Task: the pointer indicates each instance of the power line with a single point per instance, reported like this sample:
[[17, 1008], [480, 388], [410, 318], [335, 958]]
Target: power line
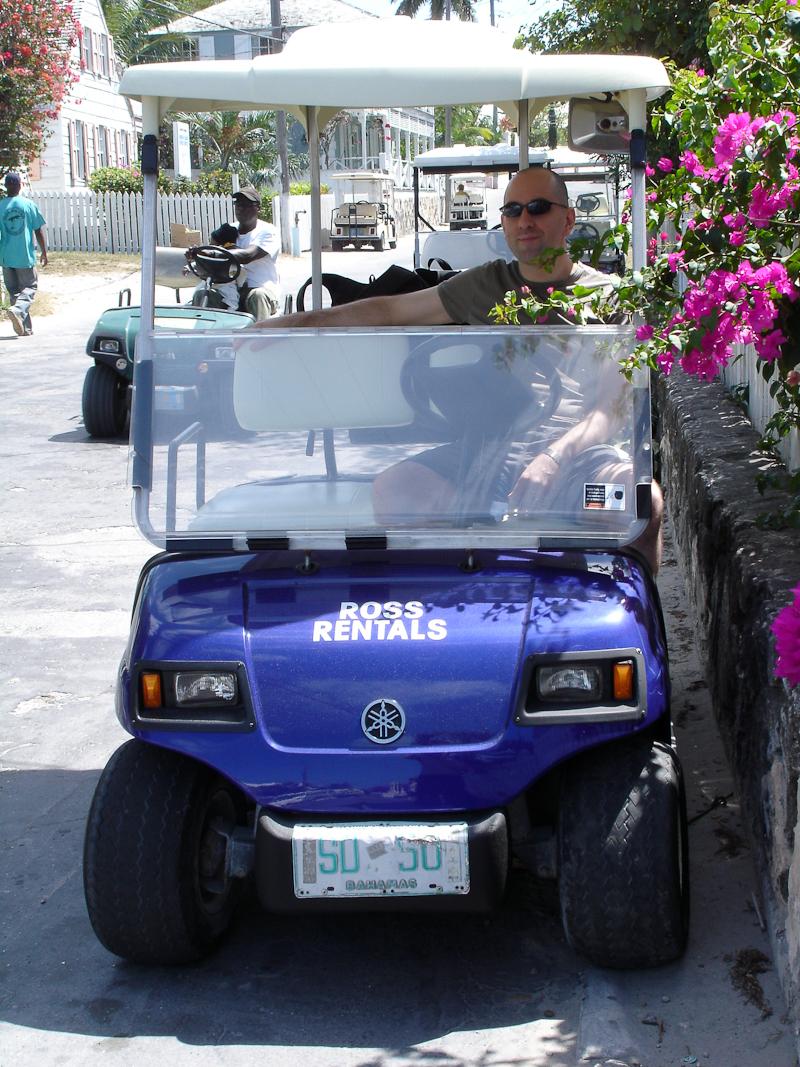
[[209, 22]]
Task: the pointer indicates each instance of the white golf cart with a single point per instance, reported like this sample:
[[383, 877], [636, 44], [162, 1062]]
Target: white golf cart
[[590, 185], [360, 703], [466, 243], [364, 215], [467, 202]]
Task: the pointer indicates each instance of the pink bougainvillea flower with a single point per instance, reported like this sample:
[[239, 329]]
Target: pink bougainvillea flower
[[666, 165], [644, 332], [786, 628], [734, 220], [690, 162], [768, 345], [648, 170], [675, 260]]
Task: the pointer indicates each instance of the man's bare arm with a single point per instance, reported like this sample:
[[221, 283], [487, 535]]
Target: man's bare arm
[[423, 308]]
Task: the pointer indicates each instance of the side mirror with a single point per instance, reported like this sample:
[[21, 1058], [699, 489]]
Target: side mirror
[[598, 126]]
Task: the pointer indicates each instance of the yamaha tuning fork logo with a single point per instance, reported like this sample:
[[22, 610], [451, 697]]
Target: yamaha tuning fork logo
[[383, 721]]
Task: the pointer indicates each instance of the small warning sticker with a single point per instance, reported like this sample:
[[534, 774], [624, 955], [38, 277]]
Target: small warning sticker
[[603, 496]]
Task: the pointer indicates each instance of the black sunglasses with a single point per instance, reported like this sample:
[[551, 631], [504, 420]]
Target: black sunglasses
[[537, 206]]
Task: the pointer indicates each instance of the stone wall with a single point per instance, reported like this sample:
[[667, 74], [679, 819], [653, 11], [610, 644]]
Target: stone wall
[[739, 576]]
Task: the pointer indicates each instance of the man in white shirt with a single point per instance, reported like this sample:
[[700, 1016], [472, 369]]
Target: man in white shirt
[[257, 249]]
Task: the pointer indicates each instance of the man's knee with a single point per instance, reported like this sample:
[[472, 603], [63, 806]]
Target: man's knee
[[261, 304]]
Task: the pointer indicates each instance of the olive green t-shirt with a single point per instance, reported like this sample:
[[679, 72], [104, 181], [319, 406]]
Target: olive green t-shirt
[[468, 296]]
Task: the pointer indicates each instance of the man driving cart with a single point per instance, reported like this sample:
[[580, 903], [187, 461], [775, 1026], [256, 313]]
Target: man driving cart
[[256, 253]]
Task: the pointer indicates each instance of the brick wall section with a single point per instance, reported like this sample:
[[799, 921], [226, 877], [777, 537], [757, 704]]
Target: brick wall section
[[739, 576]]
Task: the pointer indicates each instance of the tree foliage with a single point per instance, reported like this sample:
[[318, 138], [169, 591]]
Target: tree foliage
[[36, 72], [664, 28], [731, 276], [469, 127], [130, 23], [460, 9]]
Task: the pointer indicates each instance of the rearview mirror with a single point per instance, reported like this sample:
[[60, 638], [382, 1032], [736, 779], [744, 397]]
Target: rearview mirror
[[598, 126]]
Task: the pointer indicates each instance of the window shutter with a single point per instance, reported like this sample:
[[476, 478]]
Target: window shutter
[[73, 153]]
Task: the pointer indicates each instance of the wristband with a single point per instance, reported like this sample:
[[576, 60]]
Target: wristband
[[551, 455]]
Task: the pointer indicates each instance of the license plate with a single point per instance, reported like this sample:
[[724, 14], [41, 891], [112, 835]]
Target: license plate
[[168, 399], [380, 860]]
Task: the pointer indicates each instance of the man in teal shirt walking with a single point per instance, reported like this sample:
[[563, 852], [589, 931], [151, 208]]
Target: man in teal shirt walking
[[20, 222]]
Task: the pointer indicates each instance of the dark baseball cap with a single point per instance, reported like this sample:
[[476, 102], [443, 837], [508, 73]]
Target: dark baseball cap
[[13, 178], [247, 192]]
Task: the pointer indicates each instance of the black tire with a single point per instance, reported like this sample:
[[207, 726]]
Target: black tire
[[393, 243], [623, 857], [337, 246], [380, 244], [153, 861], [104, 403]]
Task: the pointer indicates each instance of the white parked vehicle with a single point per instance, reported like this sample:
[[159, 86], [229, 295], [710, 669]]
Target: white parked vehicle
[[364, 214]]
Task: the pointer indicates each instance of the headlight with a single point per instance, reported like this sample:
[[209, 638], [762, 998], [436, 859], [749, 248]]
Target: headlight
[[213, 696], [590, 686], [205, 687], [569, 682], [108, 344]]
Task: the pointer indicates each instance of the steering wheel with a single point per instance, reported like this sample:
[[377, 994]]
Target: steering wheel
[[584, 231], [587, 203], [478, 397], [214, 262]]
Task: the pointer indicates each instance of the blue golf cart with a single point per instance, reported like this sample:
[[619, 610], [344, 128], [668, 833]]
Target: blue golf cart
[[357, 703]]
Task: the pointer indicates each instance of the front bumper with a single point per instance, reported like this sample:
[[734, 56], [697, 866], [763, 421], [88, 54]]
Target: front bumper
[[488, 843]]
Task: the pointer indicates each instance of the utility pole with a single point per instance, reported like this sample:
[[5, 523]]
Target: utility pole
[[494, 107], [276, 44], [448, 135]]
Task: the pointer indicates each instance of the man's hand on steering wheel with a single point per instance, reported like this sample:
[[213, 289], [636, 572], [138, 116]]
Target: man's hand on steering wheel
[[538, 476]]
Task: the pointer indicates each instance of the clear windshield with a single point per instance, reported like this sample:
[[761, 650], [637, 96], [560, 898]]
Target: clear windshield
[[459, 437]]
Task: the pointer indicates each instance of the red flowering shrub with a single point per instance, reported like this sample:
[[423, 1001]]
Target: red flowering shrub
[[36, 41]]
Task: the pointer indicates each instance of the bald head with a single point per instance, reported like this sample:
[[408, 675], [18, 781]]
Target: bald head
[[537, 181], [537, 237]]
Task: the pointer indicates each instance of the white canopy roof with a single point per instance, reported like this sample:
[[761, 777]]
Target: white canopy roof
[[393, 62], [477, 157]]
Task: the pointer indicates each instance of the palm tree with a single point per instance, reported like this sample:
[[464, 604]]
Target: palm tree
[[130, 23], [236, 141], [462, 9]]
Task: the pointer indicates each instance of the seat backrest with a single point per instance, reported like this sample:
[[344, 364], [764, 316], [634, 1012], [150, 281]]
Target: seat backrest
[[320, 381], [469, 248], [169, 268]]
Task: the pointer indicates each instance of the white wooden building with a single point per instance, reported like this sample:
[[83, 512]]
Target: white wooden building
[[381, 139], [96, 127]]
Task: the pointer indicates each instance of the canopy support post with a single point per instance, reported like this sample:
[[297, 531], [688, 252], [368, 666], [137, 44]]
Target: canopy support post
[[416, 218], [316, 208], [635, 103], [151, 117], [523, 134]]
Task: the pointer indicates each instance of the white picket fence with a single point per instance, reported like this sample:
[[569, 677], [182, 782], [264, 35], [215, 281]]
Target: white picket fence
[[744, 371], [112, 222]]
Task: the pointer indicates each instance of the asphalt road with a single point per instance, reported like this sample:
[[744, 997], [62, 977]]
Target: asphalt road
[[372, 992]]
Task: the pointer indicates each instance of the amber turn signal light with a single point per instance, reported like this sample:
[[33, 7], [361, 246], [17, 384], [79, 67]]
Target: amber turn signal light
[[623, 680], [151, 689]]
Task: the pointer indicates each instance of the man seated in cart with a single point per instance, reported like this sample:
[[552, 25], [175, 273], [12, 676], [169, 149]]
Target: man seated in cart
[[537, 219], [257, 247]]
